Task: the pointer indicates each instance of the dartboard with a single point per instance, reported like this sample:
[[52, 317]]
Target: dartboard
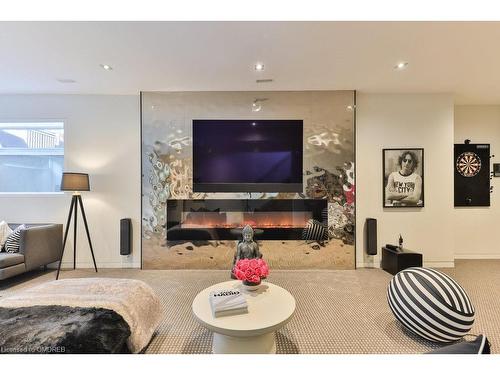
[[468, 164]]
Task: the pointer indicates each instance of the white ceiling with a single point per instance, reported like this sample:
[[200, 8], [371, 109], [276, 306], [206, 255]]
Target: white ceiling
[[446, 57]]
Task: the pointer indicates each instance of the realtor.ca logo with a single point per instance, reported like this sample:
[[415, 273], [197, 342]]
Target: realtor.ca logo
[[32, 349]]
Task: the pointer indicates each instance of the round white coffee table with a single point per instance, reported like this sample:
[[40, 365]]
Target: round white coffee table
[[269, 308]]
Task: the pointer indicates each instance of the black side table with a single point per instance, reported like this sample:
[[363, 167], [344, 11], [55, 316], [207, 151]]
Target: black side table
[[394, 261]]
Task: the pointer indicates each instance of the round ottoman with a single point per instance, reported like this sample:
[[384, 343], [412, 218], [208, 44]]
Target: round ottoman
[[431, 304]]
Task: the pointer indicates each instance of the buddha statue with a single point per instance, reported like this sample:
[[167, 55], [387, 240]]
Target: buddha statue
[[247, 248]]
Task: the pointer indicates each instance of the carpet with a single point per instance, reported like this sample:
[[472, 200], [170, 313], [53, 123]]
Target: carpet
[[338, 312]]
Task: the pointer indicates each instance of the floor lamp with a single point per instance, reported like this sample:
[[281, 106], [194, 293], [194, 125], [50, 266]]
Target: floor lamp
[[75, 182]]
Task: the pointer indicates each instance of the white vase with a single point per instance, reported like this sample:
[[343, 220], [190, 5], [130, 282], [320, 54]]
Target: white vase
[[250, 286]]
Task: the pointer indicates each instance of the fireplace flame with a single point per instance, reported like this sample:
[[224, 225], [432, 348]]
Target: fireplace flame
[[255, 220]]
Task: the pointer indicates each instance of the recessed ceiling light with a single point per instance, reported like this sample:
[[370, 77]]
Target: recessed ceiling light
[[401, 65], [350, 108], [66, 80], [106, 66], [259, 67]]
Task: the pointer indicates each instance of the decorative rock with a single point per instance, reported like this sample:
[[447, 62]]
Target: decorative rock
[[431, 304]]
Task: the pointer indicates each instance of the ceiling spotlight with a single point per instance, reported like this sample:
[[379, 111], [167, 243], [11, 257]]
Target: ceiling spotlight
[[106, 67], [259, 67], [350, 108], [401, 65], [254, 123]]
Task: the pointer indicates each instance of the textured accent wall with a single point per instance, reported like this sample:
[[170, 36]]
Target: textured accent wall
[[328, 119]]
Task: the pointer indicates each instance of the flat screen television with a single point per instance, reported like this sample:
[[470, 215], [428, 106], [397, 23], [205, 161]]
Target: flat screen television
[[247, 155]]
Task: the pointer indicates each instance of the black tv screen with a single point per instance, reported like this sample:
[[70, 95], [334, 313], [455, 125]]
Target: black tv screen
[[247, 155]]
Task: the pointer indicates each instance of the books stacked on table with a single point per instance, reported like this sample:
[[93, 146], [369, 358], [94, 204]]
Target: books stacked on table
[[227, 302]]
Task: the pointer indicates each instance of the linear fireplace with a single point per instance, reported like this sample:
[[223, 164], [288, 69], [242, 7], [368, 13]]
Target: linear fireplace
[[223, 219]]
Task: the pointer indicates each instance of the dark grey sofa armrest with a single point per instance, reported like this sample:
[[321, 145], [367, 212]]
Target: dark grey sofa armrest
[[41, 245]]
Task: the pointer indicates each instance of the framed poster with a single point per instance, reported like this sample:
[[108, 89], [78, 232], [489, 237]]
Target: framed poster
[[403, 170]]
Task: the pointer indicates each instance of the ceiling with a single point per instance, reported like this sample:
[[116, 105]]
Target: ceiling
[[462, 58]]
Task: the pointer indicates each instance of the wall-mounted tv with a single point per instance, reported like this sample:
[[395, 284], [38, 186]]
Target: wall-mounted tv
[[247, 155]]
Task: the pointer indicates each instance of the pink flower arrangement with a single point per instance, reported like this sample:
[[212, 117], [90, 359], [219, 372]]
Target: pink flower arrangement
[[251, 270]]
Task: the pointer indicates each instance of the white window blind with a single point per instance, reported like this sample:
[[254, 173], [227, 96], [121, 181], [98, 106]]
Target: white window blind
[[31, 156]]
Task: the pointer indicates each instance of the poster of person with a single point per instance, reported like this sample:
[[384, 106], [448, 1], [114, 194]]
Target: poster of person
[[403, 177]]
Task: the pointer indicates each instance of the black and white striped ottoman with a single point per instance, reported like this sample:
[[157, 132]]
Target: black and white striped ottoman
[[431, 304]]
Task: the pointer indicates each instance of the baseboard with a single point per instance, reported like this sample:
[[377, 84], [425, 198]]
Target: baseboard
[[439, 264], [478, 256], [375, 264], [100, 265], [368, 264]]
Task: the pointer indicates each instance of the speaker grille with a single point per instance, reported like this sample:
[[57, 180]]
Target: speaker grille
[[371, 236], [125, 236]]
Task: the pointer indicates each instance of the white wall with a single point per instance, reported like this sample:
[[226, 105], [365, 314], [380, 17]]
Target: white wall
[[406, 120], [476, 227], [102, 138]]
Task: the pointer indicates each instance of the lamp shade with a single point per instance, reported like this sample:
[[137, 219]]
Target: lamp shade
[[75, 182]]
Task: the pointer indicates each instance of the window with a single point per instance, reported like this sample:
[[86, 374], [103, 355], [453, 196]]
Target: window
[[31, 156]]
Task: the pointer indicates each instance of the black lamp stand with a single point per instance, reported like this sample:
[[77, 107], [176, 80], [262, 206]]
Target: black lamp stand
[[75, 201]]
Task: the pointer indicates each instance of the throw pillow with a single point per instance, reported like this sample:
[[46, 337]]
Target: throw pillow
[[12, 242], [315, 231], [5, 232]]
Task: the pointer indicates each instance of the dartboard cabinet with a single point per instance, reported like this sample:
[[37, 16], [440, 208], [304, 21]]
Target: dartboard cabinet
[[472, 174]]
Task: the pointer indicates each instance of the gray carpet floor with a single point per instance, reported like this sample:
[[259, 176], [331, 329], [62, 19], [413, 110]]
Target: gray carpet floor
[[338, 312]]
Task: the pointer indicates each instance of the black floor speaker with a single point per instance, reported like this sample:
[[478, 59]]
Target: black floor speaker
[[371, 236], [125, 236]]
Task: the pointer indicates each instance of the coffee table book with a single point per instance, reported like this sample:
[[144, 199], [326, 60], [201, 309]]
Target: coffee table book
[[227, 302]]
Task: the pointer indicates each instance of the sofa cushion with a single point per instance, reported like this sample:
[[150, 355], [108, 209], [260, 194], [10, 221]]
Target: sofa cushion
[[5, 273], [10, 259]]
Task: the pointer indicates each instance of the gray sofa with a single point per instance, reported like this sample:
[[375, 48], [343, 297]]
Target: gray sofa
[[40, 244]]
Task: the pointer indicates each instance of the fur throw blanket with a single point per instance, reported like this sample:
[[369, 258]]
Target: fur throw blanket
[[133, 300], [62, 329]]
